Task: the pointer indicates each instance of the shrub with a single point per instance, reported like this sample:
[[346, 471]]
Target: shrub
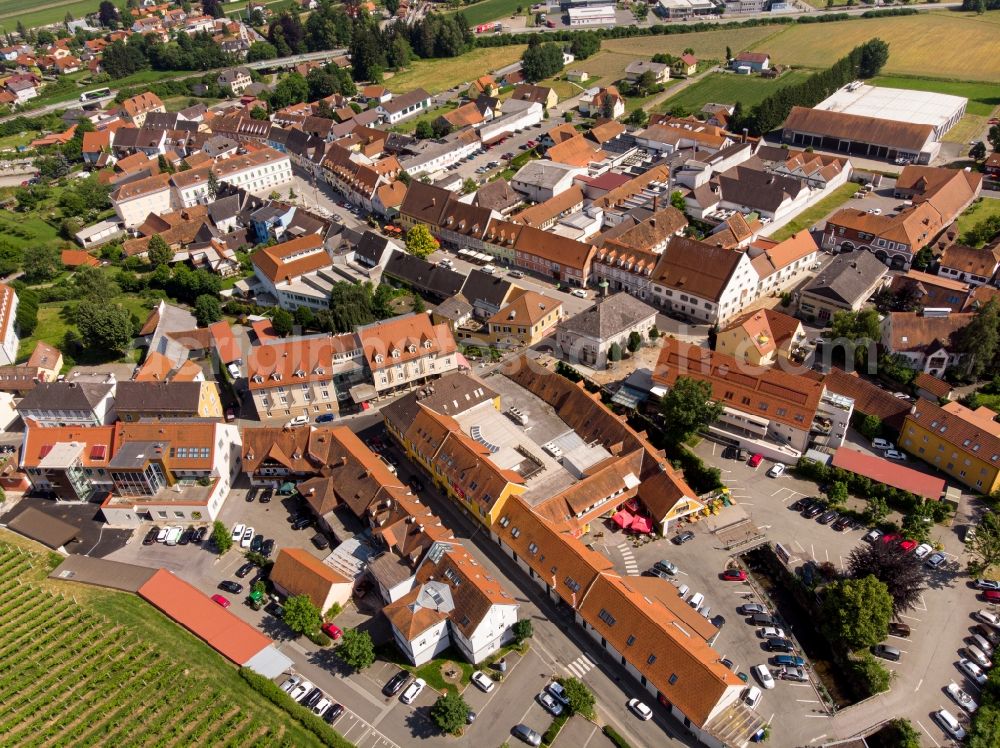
[[871, 674], [548, 738], [318, 638], [581, 699], [522, 630], [615, 738]]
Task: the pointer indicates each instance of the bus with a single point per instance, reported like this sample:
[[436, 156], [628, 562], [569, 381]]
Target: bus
[[97, 93]]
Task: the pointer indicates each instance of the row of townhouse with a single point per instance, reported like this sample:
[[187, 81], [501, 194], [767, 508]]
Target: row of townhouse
[[315, 375], [260, 171], [436, 595]]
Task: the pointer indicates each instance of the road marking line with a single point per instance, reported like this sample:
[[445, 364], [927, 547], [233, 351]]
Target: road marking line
[[910, 617], [799, 546], [812, 551], [927, 733], [818, 738], [778, 491], [817, 716], [918, 685], [808, 701]]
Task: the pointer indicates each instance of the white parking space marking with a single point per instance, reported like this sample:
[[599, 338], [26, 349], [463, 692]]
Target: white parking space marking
[[919, 684], [928, 734], [346, 723]]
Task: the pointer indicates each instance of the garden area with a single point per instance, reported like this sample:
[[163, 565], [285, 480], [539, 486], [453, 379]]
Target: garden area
[[199, 697]]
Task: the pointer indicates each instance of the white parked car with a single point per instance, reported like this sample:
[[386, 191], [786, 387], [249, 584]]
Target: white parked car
[[579, 293], [893, 454], [237, 535], [548, 701], [762, 674], [291, 683], [978, 656], [234, 371], [961, 697], [298, 421], [776, 471], [300, 690], [973, 670], [988, 617], [161, 536], [642, 711], [413, 691], [489, 269], [483, 681], [882, 444], [752, 696], [247, 537], [922, 550], [951, 726], [771, 632]]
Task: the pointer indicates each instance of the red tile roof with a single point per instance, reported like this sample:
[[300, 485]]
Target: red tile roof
[[889, 472]]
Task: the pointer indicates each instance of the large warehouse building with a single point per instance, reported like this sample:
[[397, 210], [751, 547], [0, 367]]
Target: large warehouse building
[[874, 122]]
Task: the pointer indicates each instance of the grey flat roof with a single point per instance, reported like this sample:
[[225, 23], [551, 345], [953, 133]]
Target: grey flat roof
[[39, 526], [102, 573]]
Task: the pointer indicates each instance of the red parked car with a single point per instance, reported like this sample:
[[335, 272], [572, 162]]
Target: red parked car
[[991, 596], [734, 575], [889, 538], [332, 631], [907, 545], [756, 460], [220, 600]]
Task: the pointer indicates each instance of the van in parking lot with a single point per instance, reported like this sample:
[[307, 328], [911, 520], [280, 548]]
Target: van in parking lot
[[697, 600], [886, 652]]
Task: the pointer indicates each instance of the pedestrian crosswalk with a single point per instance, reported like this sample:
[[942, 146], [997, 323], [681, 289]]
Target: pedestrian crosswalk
[[631, 567], [581, 666]]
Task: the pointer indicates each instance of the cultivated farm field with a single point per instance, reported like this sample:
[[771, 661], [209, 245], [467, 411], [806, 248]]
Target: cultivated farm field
[[439, 75], [728, 88], [43, 13], [953, 46], [111, 670], [707, 45]]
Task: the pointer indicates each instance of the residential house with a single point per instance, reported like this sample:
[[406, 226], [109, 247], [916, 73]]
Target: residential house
[[587, 337], [635, 70], [541, 180], [46, 360], [297, 572], [551, 256], [543, 95], [139, 400], [931, 388], [963, 443], [135, 108], [770, 411], [484, 85], [991, 166], [927, 341], [259, 171], [133, 201], [969, 265], [524, 321], [751, 62], [431, 281], [919, 290], [685, 65], [295, 273], [703, 282], [235, 80], [70, 403], [488, 293], [407, 351], [843, 285], [9, 340], [761, 337], [404, 106], [782, 265], [602, 101]]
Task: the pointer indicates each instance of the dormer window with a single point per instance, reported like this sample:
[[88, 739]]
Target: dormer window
[[257, 378], [378, 358], [299, 373], [411, 348], [276, 376], [318, 370], [395, 353], [427, 344]]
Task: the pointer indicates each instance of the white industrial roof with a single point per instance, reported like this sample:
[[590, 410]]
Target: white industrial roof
[[919, 107]]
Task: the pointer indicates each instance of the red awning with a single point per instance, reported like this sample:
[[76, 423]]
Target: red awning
[[642, 524], [623, 519]]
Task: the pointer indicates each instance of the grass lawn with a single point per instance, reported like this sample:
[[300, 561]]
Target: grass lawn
[[808, 217], [176, 103], [16, 140], [200, 697], [410, 125], [707, 45], [491, 10], [983, 97], [990, 401], [977, 212], [920, 45], [439, 75], [33, 14], [20, 230], [729, 88]]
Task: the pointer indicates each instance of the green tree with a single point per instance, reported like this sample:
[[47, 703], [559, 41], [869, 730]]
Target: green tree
[[985, 546], [900, 572], [581, 699], [906, 735], [687, 408], [213, 185], [978, 151], [871, 427], [94, 284], [469, 186], [985, 731], [27, 312], [305, 318], [615, 352], [259, 113], [634, 341], [158, 251], [585, 44], [857, 611], [856, 332], [261, 51], [837, 493], [449, 713], [876, 510], [207, 310], [221, 538], [103, 326], [282, 322], [356, 649], [41, 263], [424, 131], [541, 61], [292, 89], [420, 242], [994, 137], [874, 56], [978, 341], [417, 304], [872, 673], [638, 118], [301, 615], [522, 630], [677, 200]]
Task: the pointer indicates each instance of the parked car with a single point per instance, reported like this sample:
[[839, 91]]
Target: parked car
[[220, 600], [887, 652], [882, 444], [515, 274], [987, 584], [265, 495], [872, 536], [641, 711], [683, 537], [987, 617], [292, 682], [312, 698], [796, 674], [300, 690], [332, 630], [762, 674], [324, 418], [779, 645], [579, 293], [991, 596], [749, 609], [230, 586], [776, 471], [276, 609], [268, 548], [751, 696], [525, 733], [667, 566], [961, 697], [982, 642], [483, 682], [413, 691], [936, 560], [828, 516], [989, 633], [248, 534], [907, 545], [298, 421], [763, 619], [978, 656], [734, 575], [771, 632], [654, 572], [895, 454], [395, 684], [301, 523], [786, 660], [199, 535], [555, 688], [332, 713], [814, 511], [186, 536], [549, 703], [756, 460], [922, 550], [951, 725], [844, 523], [257, 543], [800, 504], [972, 670], [245, 569], [899, 629], [321, 706], [151, 536], [319, 540], [237, 535]]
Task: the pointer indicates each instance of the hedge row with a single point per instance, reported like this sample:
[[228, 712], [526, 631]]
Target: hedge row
[[615, 738], [266, 688], [553, 732]]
